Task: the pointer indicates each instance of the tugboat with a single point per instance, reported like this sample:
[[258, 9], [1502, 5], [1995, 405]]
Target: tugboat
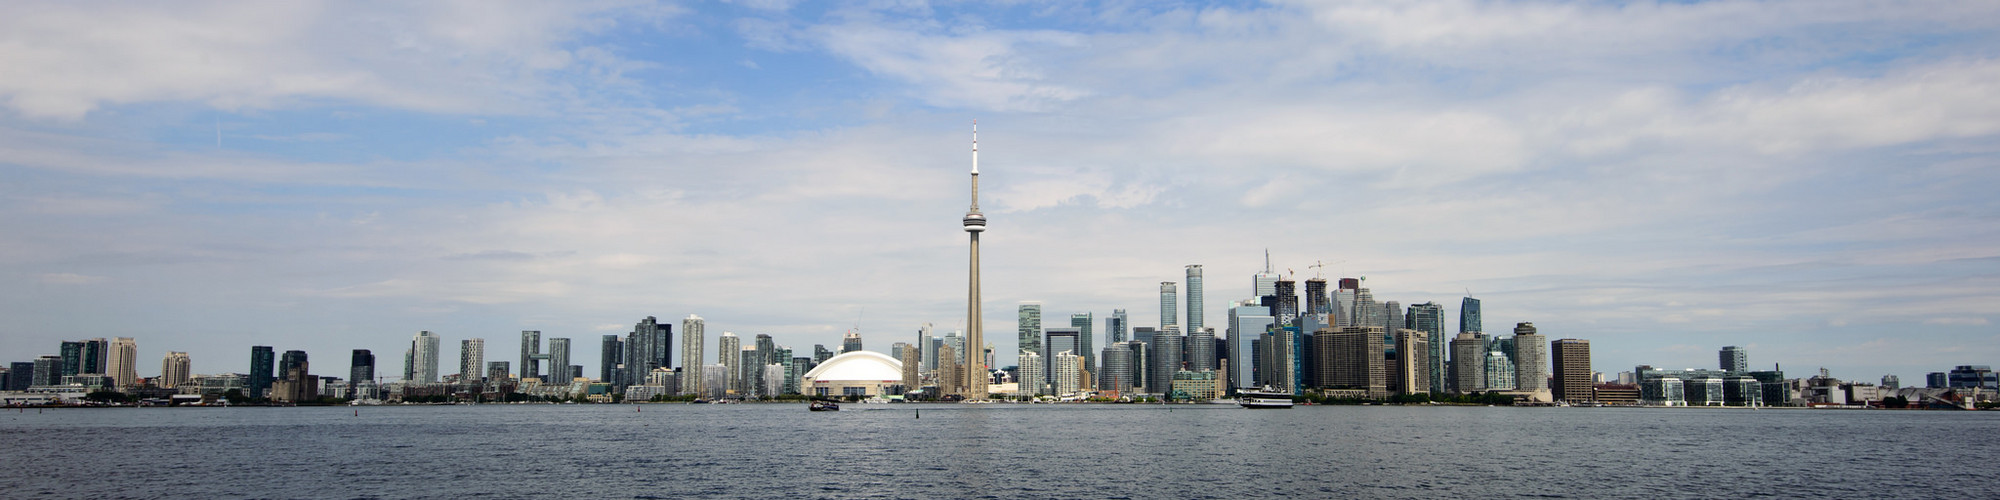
[[1264, 398], [823, 405]]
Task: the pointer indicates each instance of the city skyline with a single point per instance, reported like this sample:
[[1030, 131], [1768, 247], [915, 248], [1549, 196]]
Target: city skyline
[[1679, 182]]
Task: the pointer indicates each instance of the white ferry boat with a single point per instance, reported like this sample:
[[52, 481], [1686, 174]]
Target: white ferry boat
[[1264, 398]]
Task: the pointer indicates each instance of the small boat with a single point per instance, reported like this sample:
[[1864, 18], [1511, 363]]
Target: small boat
[[1264, 398], [821, 405]]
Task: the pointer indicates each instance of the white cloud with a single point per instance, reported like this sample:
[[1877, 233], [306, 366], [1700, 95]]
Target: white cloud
[[990, 70], [66, 60]]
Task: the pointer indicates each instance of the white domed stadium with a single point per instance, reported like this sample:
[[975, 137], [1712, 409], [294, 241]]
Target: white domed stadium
[[858, 373]]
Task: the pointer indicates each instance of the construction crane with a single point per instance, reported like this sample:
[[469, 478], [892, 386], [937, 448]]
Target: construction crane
[[1321, 266]]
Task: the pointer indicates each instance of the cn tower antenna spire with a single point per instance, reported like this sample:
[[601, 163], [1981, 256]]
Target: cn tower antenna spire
[[975, 165]]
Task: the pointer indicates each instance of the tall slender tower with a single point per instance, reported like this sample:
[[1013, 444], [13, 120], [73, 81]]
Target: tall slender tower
[[973, 385], [1194, 305]]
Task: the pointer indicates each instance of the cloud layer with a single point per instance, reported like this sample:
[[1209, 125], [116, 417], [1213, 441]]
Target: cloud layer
[[1812, 178]]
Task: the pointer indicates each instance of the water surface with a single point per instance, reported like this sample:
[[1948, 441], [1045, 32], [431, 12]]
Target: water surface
[[995, 451]]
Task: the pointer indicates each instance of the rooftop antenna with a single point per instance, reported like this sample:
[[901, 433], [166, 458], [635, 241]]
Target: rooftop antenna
[[1267, 261]]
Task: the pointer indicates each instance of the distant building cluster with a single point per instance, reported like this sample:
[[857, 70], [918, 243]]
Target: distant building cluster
[[1327, 339], [1335, 339]]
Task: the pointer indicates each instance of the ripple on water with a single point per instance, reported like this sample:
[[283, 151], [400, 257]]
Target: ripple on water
[[997, 451]]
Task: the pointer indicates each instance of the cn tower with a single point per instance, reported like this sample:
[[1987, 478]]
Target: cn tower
[[974, 388]]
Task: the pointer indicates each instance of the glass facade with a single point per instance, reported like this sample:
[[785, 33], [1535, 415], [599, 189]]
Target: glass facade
[[1028, 326]]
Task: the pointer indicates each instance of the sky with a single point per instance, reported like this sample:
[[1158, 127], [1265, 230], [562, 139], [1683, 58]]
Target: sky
[[1813, 180]]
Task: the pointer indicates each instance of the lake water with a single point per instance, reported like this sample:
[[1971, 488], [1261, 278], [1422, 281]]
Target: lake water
[[996, 451]]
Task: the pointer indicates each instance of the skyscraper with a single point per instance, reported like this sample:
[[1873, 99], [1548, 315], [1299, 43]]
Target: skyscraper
[[1084, 345], [948, 371], [1343, 303], [174, 369], [47, 371], [1428, 317], [1413, 353], [261, 361], [1499, 364], [691, 340], [531, 354], [424, 357], [767, 351], [850, 342], [1194, 305], [1285, 303], [1059, 340], [794, 369], [1168, 299], [1247, 322], [1318, 305], [1116, 326], [729, 354], [1735, 360], [295, 381], [1572, 364], [1028, 326], [1366, 311], [650, 347], [1167, 353], [1067, 371], [96, 356], [927, 346], [1200, 350], [1142, 365], [1031, 379], [1468, 363], [1265, 283], [1468, 315], [1531, 359], [71, 354], [361, 368], [291, 362], [1392, 317], [912, 367], [747, 371], [611, 361], [471, 361], [1115, 374], [559, 368], [1357, 360], [123, 362], [974, 386]]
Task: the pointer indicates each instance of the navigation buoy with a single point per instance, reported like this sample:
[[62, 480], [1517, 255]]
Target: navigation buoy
[[920, 413]]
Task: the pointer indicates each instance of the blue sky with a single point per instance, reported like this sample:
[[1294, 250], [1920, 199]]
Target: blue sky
[[1813, 179]]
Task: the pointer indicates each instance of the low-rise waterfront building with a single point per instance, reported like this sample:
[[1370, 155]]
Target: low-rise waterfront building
[[1615, 394], [1196, 385]]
